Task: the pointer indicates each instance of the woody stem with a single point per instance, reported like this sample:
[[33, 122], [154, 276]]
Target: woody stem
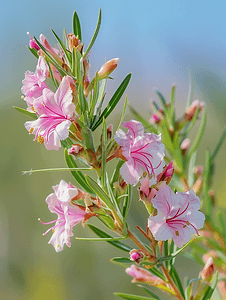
[[174, 287], [138, 243]]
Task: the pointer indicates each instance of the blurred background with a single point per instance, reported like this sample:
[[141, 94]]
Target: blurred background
[[159, 42]]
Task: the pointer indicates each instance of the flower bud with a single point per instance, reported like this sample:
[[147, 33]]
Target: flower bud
[[75, 149], [185, 145], [141, 275], [208, 270], [189, 113], [155, 119], [136, 255], [167, 173], [73, 41], [108, 68], [198, 170], [33, 43]]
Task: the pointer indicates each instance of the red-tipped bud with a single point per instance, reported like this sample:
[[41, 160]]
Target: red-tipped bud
[[155, 119], [189, 113], [33, 43], [75, 150], [167, 173], [108, 68], [185, 145], [198, 170], [208, 270], [73, 41], [136, 255]]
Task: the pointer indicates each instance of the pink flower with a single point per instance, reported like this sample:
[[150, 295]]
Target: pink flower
[[53, 51], [34, 83], [144, 152], [178, 216], [68, 214], [56, 113], [33, 43], [141, 275]]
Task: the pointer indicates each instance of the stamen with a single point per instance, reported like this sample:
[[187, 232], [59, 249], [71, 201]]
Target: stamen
[[177, 233], [31, 130], [40, 139]]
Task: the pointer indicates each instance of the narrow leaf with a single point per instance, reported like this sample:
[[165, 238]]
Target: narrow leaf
[[219, 144], [104, 155], [95, 95], [172, 109], [191, 90], [123, 260], [162, 99], [123, 114], [191, 166], [34, 52], [150, 292], [66, 52], [198, 136], [102, 239], [208, 202], [25, 112], [103, 234], [94, 35], [78, 176], [177, 280], [133, 297], [114, 101], [76, 26], [127, 201], [99, 191], [52, 77], [211, 288]]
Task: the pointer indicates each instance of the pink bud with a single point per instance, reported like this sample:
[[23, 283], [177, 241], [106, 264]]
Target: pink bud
[[189, 113], [208, 270], [33, 43], [75, 149], [167, 173], [136, 255], [185, 145], [108, 68], [198, 170], [155, 119]]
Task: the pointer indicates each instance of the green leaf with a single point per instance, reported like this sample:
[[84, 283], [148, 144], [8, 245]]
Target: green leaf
[[104, 155], [95, 95], [121, 260], [172, 109], [66, 52], [191, 166], [145, 123], [211, 288], [123, 114], [115, 174], [191, 90], [175, 253], [162, 99], [179, 160], [150, 292], [76, 26], [78, 176], [113, 102], [102, 239], [166, 137], [127, 201], [67, 143], [177, 280], [223, 136], [132, 297], [34, 52], [94, 35], [188, 289], [222, 222], [166, 253], [113, 200], [99, 191], [73, 62], [198, 136], [206, 179], [103, 234], [25, 112]]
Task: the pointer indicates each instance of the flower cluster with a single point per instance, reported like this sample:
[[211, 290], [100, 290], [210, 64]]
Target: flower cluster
[[155, 159]]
